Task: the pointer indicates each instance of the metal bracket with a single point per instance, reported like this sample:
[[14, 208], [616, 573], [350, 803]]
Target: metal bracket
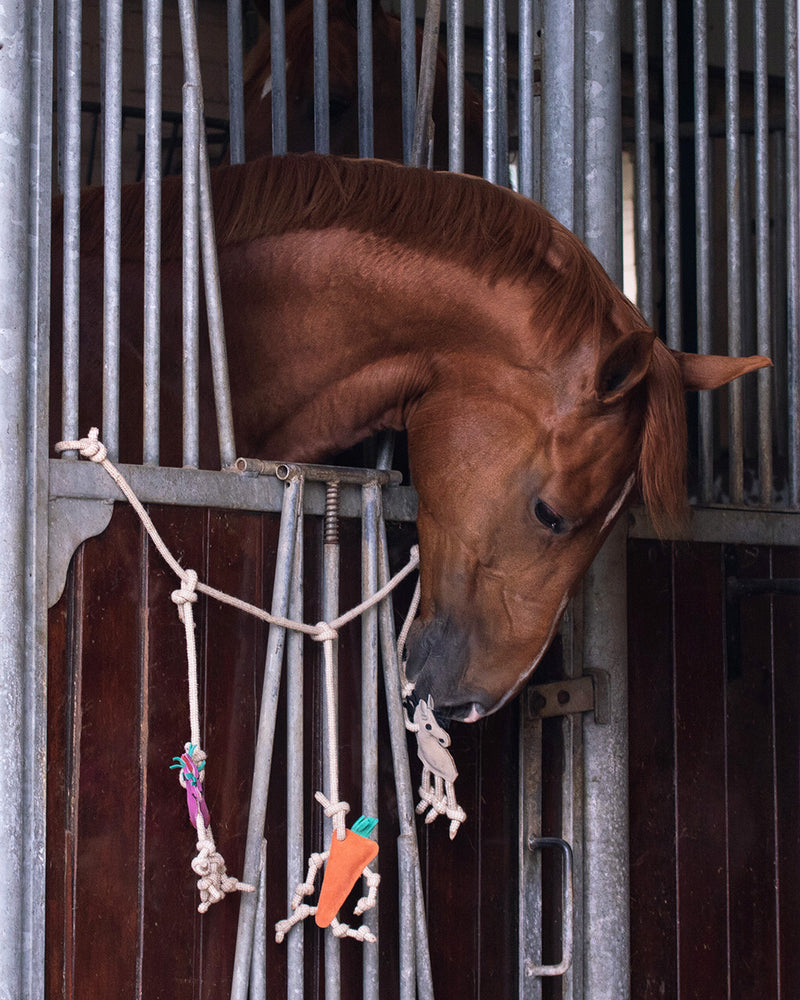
[[70, 523], [589, 693]]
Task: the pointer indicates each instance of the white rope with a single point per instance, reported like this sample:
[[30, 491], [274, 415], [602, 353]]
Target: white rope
[[214, 881]]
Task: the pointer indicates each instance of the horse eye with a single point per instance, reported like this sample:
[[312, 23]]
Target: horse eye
[[548, 517]]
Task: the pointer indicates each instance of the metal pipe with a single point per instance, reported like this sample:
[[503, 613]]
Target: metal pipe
[[422, 145], [317, 473], [411, 897], [672, 193], [322, 125], [262, 756], [734, 243], [71, 167], [491, 111], [295, 715], [763, 322], [502, 96], [527, 43], [236, 81], [330, 610], [703, 241], [370, 504], [408, 74], [643, 196], [152, 229], [559, 169], [792, 253], [191, 274], [366, 123], [112, 180], [277, 42], [258, 964], [455, 84]]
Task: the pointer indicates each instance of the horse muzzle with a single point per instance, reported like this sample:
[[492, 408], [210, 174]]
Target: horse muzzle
[[438, 656]]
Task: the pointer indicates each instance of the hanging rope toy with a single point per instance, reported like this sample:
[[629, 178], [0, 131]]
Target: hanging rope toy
[[438, 796]]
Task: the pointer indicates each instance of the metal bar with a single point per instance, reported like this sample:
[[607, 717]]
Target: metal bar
[[322, 125], [72, 230], [643, 197], [530, 862], [779, 289], [526, 85], [152, 228], [763, 323], [455, 84], [491, 110], [236, 81], [295, 714], [191, 276], [258, 965], [112, 180], [277, 41], [406, 913], [366, 122], [536, 844], [703, 241], [421, 149], [317, 473], [734, 243], [793, 251], [411, 896], [408, 74], [502, 97], [559, 170], [262, 757], [672, 194], [369, 703], [330, 610]]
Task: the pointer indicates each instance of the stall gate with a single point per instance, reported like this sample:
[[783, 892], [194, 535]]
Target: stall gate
[[556, 887]]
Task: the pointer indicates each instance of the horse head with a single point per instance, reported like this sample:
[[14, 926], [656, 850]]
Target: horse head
[[520, 477]]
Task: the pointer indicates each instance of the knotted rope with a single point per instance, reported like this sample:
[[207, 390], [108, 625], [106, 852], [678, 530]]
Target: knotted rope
[[214, 882]]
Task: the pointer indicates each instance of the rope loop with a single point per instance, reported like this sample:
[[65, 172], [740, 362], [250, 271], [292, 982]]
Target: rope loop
[[90, 447], [187, 594]]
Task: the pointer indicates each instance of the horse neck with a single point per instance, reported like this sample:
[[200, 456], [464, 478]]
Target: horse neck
[[333, 336]]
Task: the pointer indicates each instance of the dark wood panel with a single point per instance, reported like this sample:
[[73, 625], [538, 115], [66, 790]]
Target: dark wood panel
[[652, 772]]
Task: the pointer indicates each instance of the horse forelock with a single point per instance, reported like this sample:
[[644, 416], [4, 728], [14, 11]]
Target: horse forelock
[[662, 460]]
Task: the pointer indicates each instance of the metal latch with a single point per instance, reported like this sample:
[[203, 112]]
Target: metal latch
[[589, 693]]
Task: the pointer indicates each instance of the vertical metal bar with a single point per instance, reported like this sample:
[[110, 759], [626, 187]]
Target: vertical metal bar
[[236, 81], [423, 121], [277, 41], [606, 914], [414, 951], [672, 175], [734, 242], [152, 228], [26, 87], [526, 85], [778, 288], [295, 713], [530, 862], [322, 127], [502, 96], [703, 240], [191, 275], [370, 502], [643, 196], [763, 325], [262, 757], [408, 74], [792, 248], [330, 610], [559, 112], [258, 965], [366, 125], [491, 119], [455, 84], [112, 180], [71, 112]]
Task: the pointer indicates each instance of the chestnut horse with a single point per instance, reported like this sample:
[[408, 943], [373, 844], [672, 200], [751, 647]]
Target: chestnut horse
[[360, 295], [343, 83]]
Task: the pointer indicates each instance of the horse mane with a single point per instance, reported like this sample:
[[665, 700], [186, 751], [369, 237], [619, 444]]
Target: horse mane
[[464, 219], [662, 458]]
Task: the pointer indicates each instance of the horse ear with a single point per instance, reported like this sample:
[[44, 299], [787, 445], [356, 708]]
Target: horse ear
[[624, 366], [710, 371]]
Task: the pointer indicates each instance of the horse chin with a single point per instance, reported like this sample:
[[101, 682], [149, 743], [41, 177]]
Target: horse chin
[[438, 653]]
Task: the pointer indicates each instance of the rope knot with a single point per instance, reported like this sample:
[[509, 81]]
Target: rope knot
[[187, 594], [323, 632], [90, 447]]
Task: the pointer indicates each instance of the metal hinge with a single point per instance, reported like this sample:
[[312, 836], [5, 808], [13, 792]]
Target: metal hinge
[[589, 693]]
